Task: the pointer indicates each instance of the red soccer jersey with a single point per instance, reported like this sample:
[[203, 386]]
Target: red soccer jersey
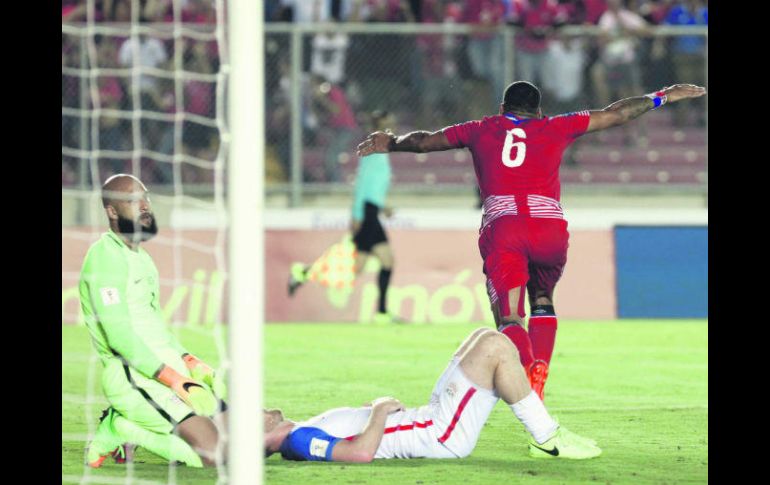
[[517, 160]]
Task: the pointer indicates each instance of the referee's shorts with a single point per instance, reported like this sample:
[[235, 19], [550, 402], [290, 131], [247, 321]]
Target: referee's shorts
[[371, 232]]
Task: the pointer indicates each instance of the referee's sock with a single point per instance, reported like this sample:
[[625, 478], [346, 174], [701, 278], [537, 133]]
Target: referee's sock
[[520, 339], [383, 281], [542, 331]]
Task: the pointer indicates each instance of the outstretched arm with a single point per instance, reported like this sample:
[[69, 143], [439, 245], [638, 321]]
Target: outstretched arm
[[364, 446], [416, 141], [625, 110]]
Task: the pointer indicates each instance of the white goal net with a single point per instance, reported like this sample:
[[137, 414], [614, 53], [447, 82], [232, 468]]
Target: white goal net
[[144, 86]]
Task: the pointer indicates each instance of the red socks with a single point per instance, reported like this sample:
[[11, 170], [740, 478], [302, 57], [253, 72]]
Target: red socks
[[538, 342], [520, 339], [542, 332]]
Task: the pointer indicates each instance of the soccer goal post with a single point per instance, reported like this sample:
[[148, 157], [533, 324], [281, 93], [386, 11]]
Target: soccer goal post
[[246, 238]]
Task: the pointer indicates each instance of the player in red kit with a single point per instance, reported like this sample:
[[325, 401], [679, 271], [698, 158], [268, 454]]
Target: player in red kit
[[523, 238]]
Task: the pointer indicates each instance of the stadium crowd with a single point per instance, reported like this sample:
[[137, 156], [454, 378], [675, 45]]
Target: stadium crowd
[[424, 77]]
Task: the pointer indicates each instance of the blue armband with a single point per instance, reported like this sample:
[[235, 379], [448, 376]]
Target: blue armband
[[308, 444]]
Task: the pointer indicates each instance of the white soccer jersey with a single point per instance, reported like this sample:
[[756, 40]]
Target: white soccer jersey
[[447, 427]]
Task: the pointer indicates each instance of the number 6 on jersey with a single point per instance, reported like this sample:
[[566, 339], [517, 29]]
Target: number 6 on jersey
[[521, 148]]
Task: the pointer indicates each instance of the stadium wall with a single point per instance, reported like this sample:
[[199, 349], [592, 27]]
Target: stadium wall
[[438, 273]]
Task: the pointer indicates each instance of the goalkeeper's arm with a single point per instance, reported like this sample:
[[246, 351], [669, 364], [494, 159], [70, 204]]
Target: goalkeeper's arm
[[107, 291], [133, 350]]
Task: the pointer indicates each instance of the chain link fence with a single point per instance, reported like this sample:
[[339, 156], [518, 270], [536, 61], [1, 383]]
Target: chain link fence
[[324, 81]]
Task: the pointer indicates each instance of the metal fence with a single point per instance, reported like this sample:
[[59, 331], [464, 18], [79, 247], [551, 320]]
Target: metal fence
[[324, 81]]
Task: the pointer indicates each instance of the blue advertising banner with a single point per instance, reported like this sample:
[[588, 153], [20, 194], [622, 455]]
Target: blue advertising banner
[[662, 271]]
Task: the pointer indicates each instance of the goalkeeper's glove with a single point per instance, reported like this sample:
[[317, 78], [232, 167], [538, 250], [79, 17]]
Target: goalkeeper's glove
[[203, 372], [192, 392]]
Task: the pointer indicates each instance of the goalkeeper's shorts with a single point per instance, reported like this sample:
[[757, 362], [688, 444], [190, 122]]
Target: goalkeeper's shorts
[[142, 400]]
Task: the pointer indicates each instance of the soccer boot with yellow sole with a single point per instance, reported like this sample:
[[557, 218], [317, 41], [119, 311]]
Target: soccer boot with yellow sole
[[564, 444]]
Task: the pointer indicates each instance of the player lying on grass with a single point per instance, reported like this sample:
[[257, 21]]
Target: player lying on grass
[[161, 397], [484, 369], [523, 237]]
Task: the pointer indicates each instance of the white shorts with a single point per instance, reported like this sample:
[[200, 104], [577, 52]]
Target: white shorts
[[459, 410], [447, 427]]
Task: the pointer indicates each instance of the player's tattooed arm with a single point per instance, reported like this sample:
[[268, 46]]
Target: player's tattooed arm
[[416, 141], [625, 110], [364, 446], [619, 112], [420, 141]]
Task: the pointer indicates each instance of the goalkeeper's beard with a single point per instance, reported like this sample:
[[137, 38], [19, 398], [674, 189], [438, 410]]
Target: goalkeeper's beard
[[129, 228]]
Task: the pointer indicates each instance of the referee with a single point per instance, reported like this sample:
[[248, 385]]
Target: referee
[[371, 189]]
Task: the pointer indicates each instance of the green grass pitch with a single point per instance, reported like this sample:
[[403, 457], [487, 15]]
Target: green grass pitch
[[639, 387]]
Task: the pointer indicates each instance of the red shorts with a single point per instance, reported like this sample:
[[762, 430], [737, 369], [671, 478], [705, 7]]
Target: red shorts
[[520, 251]]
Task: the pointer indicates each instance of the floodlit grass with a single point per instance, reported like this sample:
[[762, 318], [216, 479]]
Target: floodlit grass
[[638, 387]]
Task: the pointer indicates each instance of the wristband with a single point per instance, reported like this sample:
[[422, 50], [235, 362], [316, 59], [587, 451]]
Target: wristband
[[659, 98], [169, 376]]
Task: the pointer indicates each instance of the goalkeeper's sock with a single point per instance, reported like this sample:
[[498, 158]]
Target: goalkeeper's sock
[[383, 280], [167, 446], [542, 331], [520, 339], [535, 418]]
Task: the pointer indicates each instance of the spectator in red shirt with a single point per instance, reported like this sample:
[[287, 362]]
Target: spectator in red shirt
[[70, 91], [381, 11], [538, 18], [199, 97], [618, 74], [485, 49], [594, 9], [336, 114], [77, 10], [436, 64], [113, 131], [199, 12]]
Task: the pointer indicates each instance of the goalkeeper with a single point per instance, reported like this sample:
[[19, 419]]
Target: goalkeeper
[[161, 397]]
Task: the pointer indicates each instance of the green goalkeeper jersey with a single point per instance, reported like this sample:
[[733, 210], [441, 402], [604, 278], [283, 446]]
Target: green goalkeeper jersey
[[119, 295]]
